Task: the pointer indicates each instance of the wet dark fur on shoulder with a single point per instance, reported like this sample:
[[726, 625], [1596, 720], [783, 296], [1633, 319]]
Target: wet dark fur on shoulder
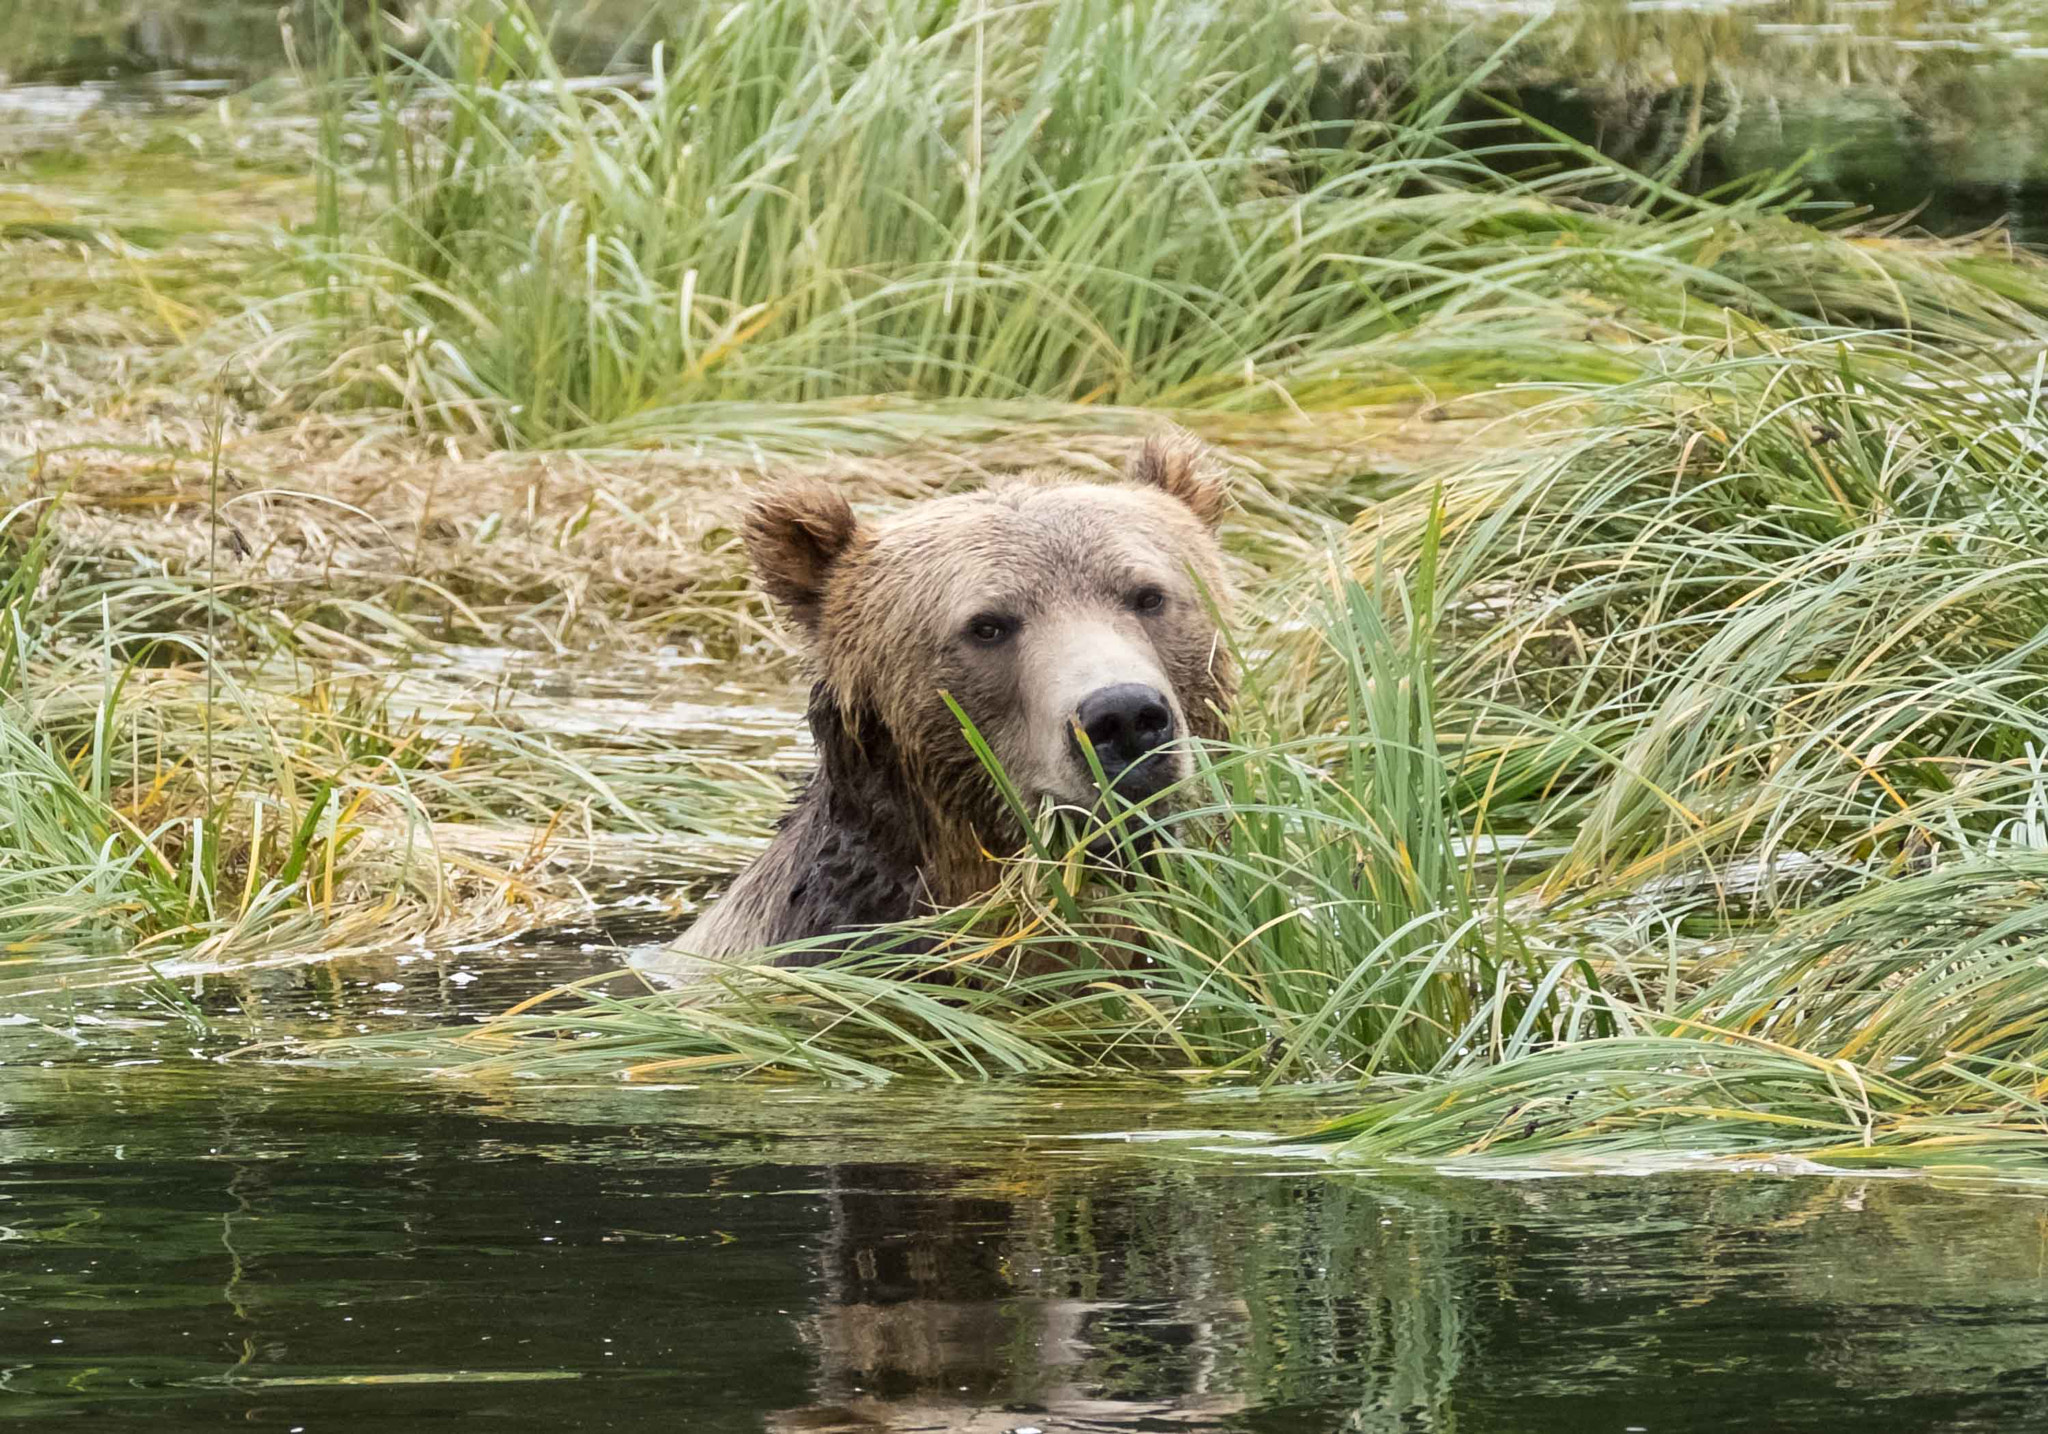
[[853, 858]]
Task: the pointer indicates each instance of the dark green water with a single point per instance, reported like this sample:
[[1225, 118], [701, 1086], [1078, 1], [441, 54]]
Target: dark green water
[[191, 1244]]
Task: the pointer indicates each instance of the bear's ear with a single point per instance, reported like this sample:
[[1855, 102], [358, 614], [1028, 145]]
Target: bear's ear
[[1178, 463], [794, 535]]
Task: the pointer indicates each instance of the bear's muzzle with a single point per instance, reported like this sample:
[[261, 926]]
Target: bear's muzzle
[[1131, 728]]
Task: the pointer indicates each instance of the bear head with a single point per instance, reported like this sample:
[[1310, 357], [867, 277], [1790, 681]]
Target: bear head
[[1064, 617]]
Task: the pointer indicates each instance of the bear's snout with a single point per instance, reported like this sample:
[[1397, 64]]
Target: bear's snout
[[1129, 725]]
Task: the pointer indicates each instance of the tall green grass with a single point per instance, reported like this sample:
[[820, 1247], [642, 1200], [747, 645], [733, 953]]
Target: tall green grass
[[1792, 596], [1325, 904], [1780, 609], [1104, 203], [1903, 1026]]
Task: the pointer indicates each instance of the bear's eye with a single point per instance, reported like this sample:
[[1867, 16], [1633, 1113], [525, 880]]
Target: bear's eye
[[989, 629], [1147, 600]]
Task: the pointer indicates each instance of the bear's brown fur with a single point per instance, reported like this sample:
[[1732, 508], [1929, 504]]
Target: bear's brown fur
[[1022, 600]]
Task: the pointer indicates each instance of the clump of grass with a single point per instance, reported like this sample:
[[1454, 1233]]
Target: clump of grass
[[1096, 203], [1903, 1026], [1774, 607], [113, 846], [1775, 603]]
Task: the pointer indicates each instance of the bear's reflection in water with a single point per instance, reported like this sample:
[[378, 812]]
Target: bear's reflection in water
[[940, 1309]]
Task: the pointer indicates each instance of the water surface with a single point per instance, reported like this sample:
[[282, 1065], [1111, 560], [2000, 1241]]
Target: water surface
[[284, 1246]]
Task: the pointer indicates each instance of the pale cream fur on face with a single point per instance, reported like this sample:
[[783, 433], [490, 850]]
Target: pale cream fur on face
[[1061, 561], [1061, 660]]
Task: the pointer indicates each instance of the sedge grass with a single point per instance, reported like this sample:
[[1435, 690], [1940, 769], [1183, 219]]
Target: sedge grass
[[1094, 203], [1902, 1026], [1774, 607], [1780, 602]]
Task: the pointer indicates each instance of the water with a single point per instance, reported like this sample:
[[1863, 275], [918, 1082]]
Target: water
[[193, 1245], [193, 1238]]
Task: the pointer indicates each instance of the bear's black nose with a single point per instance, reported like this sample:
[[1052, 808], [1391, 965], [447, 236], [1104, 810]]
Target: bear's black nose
[[1126, 724]]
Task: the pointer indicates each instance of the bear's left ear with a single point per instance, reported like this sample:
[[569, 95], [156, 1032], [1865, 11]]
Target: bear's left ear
[[1178, 463], [794, 536]]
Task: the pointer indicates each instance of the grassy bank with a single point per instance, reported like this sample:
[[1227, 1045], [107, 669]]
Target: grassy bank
[[1094, 204], [1642, 744], [191, 784]]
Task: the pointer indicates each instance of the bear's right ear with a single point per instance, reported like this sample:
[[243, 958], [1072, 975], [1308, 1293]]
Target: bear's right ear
[[794, 536], [1179, 463]]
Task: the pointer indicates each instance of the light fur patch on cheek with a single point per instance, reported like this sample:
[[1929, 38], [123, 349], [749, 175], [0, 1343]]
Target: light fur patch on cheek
[[1039, 741]]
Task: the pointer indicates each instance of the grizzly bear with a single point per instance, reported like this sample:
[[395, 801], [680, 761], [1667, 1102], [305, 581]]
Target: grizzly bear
[[1048, 607]]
